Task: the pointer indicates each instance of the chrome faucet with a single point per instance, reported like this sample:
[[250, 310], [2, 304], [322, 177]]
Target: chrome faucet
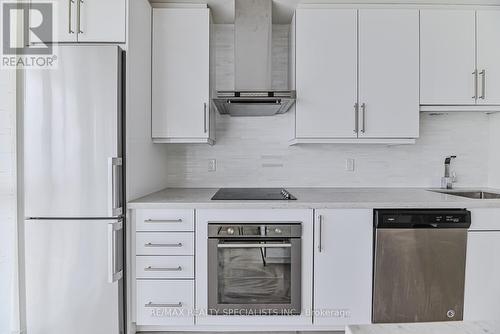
[[448, 178]]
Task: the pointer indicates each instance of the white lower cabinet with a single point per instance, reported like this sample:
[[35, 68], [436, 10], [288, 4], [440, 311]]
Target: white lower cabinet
[[343, 249], [165, 303], [482, 273]]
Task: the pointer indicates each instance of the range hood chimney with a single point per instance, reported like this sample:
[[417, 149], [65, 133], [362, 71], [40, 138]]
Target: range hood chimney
[[253, 94]]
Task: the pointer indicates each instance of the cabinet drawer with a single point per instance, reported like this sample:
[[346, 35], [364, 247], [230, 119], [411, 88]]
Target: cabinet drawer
[[164, 243], [485, 219], [165, 302], [164, 220], [164, 266]]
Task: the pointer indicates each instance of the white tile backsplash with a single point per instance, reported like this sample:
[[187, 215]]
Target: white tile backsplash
[[254, 151]]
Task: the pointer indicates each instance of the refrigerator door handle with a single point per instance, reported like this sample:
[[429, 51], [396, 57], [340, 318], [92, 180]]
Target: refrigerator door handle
[[114, 184], [113, 273]]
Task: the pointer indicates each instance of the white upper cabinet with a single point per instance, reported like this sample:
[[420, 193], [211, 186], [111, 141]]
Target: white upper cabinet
[[447, 53], [341, 53], [343, 266], [326, 67], [181, 76], [102, 21], [488, 56], [388, 73]]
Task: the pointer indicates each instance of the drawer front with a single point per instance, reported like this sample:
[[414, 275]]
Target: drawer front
[[485, 219], [164, 243], [165, 302], [164, 220], [164, 266]]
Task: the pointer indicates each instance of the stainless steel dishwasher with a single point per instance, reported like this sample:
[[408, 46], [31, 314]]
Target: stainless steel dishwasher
[[419, 265]]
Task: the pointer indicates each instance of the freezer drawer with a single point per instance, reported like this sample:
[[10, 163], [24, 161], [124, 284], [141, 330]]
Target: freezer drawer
[[164, 266], [164, 243], [73, 270], [164, 220], [165, 302]]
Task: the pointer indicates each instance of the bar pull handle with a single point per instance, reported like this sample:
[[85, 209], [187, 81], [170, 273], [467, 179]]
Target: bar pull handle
[[149, 244], [150, 268], [356, 117], [151, 304], [256, 245], [78, 17], [320, 233], [163, 221], [113, 273], [483, 84], [70, 5], [475, 84], [205, 117], [363, 114], [115, 164]]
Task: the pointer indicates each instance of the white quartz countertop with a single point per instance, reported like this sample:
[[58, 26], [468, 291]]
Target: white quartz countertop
[[455, 327], [317, 198]]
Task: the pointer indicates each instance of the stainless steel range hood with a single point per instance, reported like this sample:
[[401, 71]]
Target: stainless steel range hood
[[253, 94]]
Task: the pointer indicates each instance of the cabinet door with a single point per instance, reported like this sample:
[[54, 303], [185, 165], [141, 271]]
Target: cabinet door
[[482, 288], [326, 67], [488, 55], [101, 21], [447, 55], [388, 73], [343, 266], [64, 21], [180, 72]]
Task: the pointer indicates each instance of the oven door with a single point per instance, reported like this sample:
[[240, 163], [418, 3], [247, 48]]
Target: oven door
[[254, 277]]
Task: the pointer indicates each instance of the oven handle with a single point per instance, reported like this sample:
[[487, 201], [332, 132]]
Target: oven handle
[[254, 245]]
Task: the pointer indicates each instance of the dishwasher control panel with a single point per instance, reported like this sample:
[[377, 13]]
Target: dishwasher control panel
[[422, 218]]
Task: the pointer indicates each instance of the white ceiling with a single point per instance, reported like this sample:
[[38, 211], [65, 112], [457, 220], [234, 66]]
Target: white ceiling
[[223, 10]]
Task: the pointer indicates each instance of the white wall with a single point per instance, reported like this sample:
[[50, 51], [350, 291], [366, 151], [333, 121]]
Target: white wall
[[8, 232], [494, 151], [254, 151]]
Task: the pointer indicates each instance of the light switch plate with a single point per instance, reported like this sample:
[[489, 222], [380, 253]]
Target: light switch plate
[[212, 165]]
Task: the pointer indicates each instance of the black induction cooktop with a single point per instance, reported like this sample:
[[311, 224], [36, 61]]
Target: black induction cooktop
[[253, 194]]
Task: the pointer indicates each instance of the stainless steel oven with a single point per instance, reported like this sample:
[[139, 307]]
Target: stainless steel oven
[[254, 268]]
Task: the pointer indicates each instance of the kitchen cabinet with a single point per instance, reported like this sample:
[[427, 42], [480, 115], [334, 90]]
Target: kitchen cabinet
[[459, 57], [447, 53], [488, 53], [357, 75], [326, 74], [99, 21], [482, 273], [181, 111], [343, 248]]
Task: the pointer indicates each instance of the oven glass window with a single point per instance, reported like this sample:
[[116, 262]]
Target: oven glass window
[[260, 275]]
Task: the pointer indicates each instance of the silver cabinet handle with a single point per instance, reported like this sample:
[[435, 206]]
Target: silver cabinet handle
[[113, 273], [115, 164], [320, 233], [254, 245], [475, 84], [150, 268], [483, 84], [149, 244], [163, 221], [78, 17], [363, 114], [151, 304], [356, 117], [205, 117], [70, 4]]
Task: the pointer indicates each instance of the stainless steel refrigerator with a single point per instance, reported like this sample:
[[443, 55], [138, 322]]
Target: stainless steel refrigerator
[[73, 181]]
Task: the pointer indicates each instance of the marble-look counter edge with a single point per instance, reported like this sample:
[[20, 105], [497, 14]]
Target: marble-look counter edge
[[314, 198]]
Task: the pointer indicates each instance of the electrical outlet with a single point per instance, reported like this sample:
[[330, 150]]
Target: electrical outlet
[[212, 165], [349, 165]]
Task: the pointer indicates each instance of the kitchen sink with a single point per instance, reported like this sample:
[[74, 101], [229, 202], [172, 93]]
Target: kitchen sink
[[475, 194]]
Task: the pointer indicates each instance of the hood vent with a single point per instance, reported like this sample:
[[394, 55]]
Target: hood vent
[[253, 94]]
